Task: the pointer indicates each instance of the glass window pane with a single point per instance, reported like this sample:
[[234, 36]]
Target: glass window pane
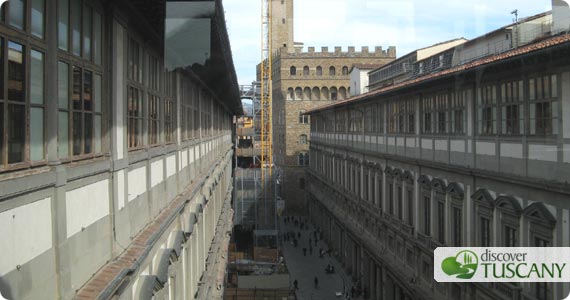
[[17, 12], [77, 133], [36, 133], [16, 133], [16, 72], [76, 26], [87, 91], [97, 93], [38, 18], [63, 135], [88, 128], [97, 135], [97, 37], [63, 24], [87, 24], [37, 78], [76, 88], [63, 85]]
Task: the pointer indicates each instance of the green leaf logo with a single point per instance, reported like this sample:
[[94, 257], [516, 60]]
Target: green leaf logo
[[464, 264]]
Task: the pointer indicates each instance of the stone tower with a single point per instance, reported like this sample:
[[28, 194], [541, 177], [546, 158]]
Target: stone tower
[[282, 24]]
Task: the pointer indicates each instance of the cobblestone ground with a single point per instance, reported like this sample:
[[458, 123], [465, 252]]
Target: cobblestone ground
[[304, 268]]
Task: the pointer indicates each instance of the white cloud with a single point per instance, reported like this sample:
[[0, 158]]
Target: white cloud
[[406, 24]]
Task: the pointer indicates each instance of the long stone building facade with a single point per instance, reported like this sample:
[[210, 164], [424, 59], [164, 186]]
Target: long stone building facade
[[467, 154], [115, 171], [304, 80]]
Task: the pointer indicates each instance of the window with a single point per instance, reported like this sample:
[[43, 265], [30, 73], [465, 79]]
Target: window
[[543, 105], [63, 24], [510, 238], [17, 17], [370, 119], [153, 119], [410, 208], [380, 119], [303, 159], [302, 183], [82, 111], [355, 121], [441, 102], [306, 71], [400, 202], [290, 94], [80, 30], [441, 222], [410, 116], [135, 117], [391, 198], [428, 105], [486, 101], [334, 95], [303, 119], [393, 112], [319, 71], [427, 215], [345, 70], [512, 112], [332, 71], [457, 112], [293, 71], [457, 226], [485, 232]]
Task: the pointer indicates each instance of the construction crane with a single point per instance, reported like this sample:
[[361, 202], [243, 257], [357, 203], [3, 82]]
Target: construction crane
[[266, 97]]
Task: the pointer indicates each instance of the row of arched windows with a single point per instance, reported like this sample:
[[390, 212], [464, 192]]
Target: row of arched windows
[[317, 93], [319, 71]]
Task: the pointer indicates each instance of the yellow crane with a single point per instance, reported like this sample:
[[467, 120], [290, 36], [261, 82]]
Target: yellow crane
[[266, 97]]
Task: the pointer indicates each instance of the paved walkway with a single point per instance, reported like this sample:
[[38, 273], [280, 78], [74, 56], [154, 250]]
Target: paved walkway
[[304, 268]]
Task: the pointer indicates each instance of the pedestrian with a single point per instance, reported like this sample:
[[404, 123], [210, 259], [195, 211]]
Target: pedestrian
[[316, 282], [296, 284], [352, 292], [304, 251], [299, 234], [315, 233]]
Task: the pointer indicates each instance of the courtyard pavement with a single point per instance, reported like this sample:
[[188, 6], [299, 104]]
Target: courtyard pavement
[[304, 268]]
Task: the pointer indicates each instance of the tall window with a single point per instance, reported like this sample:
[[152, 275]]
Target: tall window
[[441, 103], [485, 232], [543, 105], [345, 70], [135, 105], [306, 71], [319, 71], [410, 207], [370, 119], [303, 119], [303, 139], [391, 198], [441, 222], [457, 112], [457, 226], [512, 112], [400, 202], [303, 159], [82, 112], [486, 109], [510, 236], [427, 215], [332, 71], [153, 119], [428, 105], [393, 114]]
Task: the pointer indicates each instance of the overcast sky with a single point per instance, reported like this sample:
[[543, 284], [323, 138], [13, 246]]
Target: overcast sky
[[406, 24]]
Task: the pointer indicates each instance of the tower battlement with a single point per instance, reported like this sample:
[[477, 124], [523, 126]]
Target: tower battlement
[[337, 52]]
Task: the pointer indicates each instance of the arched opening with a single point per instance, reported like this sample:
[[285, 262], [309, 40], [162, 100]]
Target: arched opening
[[307, 93], [290, 94], [332, 71], [306, 71], [334, 94], [316, 94], [293, 71], [319, 71], [342, 93], [345, 70], [325, 94], [298, 93], [303, 139]]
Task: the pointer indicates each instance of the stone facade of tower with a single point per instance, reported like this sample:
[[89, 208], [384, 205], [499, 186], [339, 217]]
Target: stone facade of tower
[[282, 24], [303, 80]]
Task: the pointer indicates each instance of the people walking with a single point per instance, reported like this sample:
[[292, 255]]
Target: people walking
[[316, 282], [296, 284], [304, 251]]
